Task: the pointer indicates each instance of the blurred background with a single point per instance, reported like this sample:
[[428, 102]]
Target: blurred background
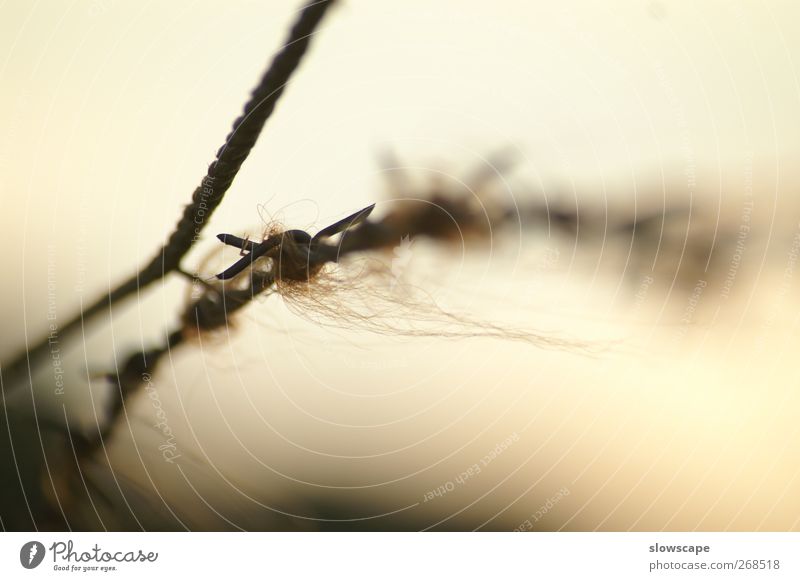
[[673, 403]]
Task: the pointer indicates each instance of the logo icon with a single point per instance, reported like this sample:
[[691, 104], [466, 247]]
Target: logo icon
[[31, 554]]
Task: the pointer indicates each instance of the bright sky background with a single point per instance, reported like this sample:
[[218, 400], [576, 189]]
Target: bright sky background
[[111, 110]]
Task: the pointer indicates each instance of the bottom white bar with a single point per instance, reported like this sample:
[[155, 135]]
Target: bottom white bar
[[401, 555]]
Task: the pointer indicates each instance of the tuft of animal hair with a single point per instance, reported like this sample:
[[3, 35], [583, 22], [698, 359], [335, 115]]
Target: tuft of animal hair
[[362, 293], [356, 288]]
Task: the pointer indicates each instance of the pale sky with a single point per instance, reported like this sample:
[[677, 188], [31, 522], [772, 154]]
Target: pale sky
[[110, 112]]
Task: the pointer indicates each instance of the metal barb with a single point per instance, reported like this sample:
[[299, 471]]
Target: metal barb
[[298, 237]]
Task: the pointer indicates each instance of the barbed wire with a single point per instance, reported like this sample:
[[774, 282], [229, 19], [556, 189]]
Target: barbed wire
[[206, 197]]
